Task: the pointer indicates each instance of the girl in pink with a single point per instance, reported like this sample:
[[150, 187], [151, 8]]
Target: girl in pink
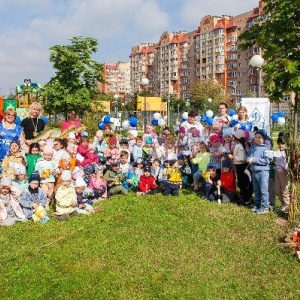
[[112, 153], [86, 153], [98, 184]]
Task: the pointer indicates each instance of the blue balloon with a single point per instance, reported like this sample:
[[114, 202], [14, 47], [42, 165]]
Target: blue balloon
[[17, 120], [101, 125], [45, 119], [154, 122], [233, 122], [274, 117], [106, 119], [231, 112], [203, 118], [209, 121], [281, 114], [243, 127], [133, 122]]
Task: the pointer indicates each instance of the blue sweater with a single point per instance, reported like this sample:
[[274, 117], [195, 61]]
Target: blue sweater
[[260, 161]]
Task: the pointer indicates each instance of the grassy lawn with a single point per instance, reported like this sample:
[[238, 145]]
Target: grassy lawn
[[150, 248]]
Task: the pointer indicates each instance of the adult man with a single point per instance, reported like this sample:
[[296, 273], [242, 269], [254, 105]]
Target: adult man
[[223, 119]]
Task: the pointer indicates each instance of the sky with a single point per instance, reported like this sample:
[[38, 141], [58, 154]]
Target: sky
[[28, 28]]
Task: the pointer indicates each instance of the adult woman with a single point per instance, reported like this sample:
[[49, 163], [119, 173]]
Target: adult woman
[[71, 121], [9, 131], [243, 121], [192, 123], [33, 124]]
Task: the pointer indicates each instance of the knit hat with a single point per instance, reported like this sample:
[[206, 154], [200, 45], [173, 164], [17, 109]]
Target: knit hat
[[123, 142], [112, 140], [80, 182], [133, 132], [34, 176], [226, 163], [65, 156], [180, 156], [214, 138], [211, 165], [262, 132], [239, 133], [48, 149], [66, 175], [20, 169], [5, 181], [147, 169], [84, 134], [148, 140], [227, 132]]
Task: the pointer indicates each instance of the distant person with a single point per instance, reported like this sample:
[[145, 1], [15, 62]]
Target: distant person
[[71, 121], [223, 118], [191, 122]]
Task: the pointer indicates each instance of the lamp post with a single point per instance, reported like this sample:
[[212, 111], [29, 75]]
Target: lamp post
[[116, 97], [257, 62], [145, 82]]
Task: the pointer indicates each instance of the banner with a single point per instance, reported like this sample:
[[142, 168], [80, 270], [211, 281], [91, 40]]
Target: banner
[[102, 106], [258, 112], [152, 104]]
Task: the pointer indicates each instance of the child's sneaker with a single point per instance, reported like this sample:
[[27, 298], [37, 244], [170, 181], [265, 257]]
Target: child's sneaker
[[140, 193], [262, 211], [254, 209]]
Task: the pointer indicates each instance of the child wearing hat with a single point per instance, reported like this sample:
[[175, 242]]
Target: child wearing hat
[[148, 150], [10, 209], [260, 167], [174, 179], [112, 153], [211, 183], [147, 184], [13, 157], [100, 146], [115, 178], [33, 196], [66, 198], [20, 182], [98, 184]]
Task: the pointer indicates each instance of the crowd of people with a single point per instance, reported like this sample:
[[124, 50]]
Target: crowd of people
[[225, 162]]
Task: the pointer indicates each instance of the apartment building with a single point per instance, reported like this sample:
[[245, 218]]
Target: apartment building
[[117, 80]]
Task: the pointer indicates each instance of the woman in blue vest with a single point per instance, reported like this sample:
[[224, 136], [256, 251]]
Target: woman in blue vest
[[9, 131]]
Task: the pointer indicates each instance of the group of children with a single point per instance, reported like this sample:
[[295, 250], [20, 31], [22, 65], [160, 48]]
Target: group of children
[[77, 172]]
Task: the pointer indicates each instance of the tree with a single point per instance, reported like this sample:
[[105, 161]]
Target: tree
[[277, 33], [202, 90], [75, 82]]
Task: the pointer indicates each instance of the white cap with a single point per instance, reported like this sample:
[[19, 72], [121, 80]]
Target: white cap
[[66, 175], [65, 155], [80, 182], [5, 181], [133, 132], [20, 169]]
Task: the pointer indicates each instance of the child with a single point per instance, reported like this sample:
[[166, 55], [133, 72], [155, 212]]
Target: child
[[155, 168], [98, 184], [112, 153], [10, 209], [281, 178], [13, 158], [114, 178], [170, 150], [216, 150], [100, 146], [33, 196], [132, 136], [48, 170], [211, 184], [148, 150], [137, 149], [150, 133], [66, 198], [202, 159], [21, 182], [138, 168], [124, 147], [60, 146], [174, 180], [228, 144], [147, 184], [184, 169], [227, 182], [84, 205], [260, 167], [72, 145], [182, 140], [32, 158]]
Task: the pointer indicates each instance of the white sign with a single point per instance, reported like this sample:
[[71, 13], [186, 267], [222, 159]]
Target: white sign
[[258, 112]]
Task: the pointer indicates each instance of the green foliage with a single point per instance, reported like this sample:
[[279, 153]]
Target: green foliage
[[202, 90], [151, 247], [74, 85]]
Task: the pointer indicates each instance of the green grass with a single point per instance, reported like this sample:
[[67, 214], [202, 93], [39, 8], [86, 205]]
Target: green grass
[[150, 247]]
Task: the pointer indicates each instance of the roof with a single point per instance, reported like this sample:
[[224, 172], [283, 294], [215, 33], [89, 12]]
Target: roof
[[220, 25]]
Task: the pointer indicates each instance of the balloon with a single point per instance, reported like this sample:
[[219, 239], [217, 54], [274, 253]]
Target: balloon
[[165, 117], [117, 122], [209, 100], [243, 127], [101, 125], [154, 122], [156, 116], [45, 119], [235, 117], [185, 115], [209, 121], [125, 124], [17, 120], [281, 114], [133, 122], [274, 117], [161, 122], [234, 122], [209, 113], [281, 121], [106, 119], [112, 120], [231, 112], [203, 118]]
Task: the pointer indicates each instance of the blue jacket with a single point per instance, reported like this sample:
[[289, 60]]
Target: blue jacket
[[260, 161]]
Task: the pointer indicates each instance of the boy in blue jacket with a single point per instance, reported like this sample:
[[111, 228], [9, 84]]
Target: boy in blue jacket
[[260, 166]]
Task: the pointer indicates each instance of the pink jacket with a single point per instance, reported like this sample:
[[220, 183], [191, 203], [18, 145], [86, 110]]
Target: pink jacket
[[97, 183]]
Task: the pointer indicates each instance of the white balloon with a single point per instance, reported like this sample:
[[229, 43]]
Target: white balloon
[[112, 120], [209, 113], [117, 122], [185, 115], [165, 117], [125, 124], [235, 117], [209, 100], [161, 122], [281, 121], [156, 116]]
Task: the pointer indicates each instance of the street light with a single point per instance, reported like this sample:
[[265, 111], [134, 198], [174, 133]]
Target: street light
[[257, 62], [116, 97], [145, 82]]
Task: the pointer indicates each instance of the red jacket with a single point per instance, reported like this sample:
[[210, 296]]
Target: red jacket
[[228, 181], [147, 183]]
